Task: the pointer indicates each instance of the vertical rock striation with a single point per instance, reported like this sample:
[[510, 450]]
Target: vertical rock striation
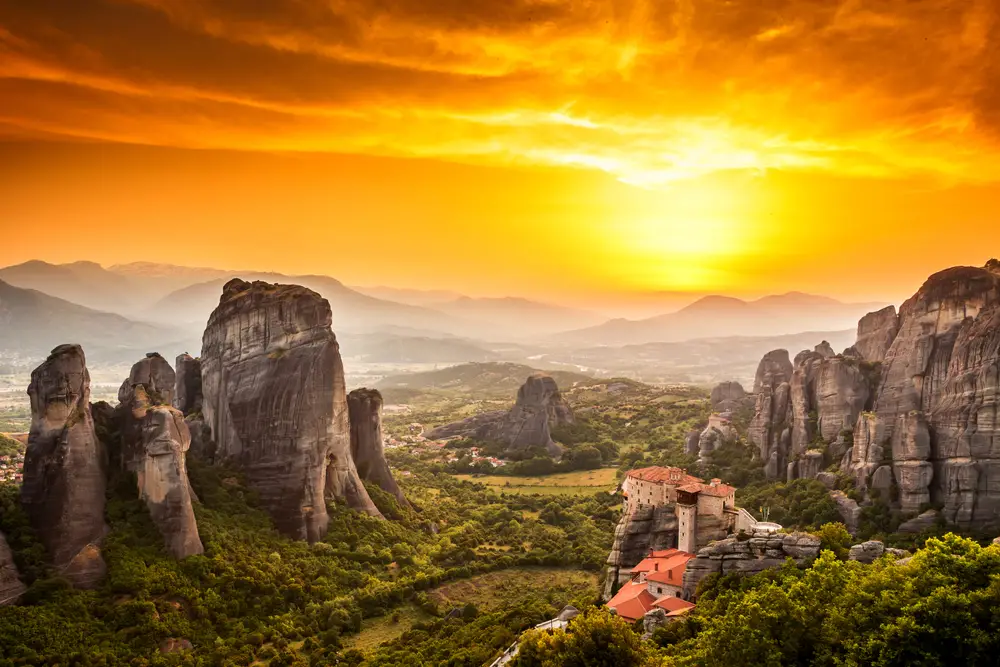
[[63, 491], [367, 448], [876, 331], [187, 389], [11, 586], [770, 429], [155, 441], [274, 398]]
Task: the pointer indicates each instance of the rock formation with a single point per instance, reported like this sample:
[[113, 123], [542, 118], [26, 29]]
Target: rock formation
[[274, 398], [761, 551], [154, 443], [538, 409], [11, 586], [63, 490], [691, 442], [727, 396], [935, 417], [876, 331], [770, 429], [187, 389], [866, 552], [365, 410]]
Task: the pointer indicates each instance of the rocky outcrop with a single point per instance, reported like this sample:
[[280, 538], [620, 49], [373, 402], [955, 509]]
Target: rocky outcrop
[[807, 466], [920, 523], [539, 408], [728, 396], [646, 528], [275, 401], [770, 429], [867, 552], [691, 442], [155, 376], [154, 444], [935, 417], [749, 555], [365, 410], [63, 490], [876, 331], [848, 509], [187, 389], [11, 586]]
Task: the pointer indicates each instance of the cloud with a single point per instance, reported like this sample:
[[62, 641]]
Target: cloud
[[650, 92]]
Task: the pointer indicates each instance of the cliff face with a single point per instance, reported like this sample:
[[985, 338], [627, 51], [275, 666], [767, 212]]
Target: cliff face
[[155, 441], [539, 408], [935, 417], [63, 491], [187, 387], [11, 586], [770, 429], [365, 411], [876, 331], [275, 401]]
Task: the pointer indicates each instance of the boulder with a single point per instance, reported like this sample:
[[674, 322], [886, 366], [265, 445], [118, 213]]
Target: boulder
[[876, 331], [807, 467], [849, 510], [156, 377], [11, 586], [918, 524], [187, 390], [882, 480], [828, 479], [276, 404], [653, 620], [365, 412], [155, 441], [63, 489], [866, 552]]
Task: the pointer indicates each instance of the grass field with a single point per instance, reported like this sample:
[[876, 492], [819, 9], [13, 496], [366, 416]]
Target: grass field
[[488, 592], [580, 481]]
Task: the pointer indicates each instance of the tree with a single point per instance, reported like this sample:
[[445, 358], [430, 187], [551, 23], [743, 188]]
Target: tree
[[595, 639]]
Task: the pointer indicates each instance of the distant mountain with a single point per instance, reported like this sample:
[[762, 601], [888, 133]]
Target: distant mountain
[[516, 318], [388, 348], [352, 311], [492, 380], [412, 297], [84, 283], [33, 323], [721, 316]]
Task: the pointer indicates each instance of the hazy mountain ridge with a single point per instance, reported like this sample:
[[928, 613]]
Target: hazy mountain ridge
[[480, 379], [720, 316], [34, 323]]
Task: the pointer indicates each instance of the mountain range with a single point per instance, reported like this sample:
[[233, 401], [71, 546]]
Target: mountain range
[[143, 306], [721, 316]]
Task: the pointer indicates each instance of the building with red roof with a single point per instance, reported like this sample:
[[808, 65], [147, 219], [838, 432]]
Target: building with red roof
[[657, 581]]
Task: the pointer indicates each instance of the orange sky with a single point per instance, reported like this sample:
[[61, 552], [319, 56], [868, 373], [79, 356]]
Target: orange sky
[[561, 149]]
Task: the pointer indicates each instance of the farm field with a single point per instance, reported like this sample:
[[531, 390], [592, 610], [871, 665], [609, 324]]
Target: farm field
[[580, 481]]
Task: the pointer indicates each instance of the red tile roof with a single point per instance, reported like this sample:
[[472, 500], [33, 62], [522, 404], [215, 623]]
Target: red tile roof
[[662, 474], [648, 564], [632, 601], [671, 570], [670, 603], [718, 491]]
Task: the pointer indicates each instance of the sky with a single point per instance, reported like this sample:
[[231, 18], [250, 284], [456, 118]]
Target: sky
[[595, 153]]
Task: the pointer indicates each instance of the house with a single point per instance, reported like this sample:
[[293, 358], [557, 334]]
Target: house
[[657, 581]]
